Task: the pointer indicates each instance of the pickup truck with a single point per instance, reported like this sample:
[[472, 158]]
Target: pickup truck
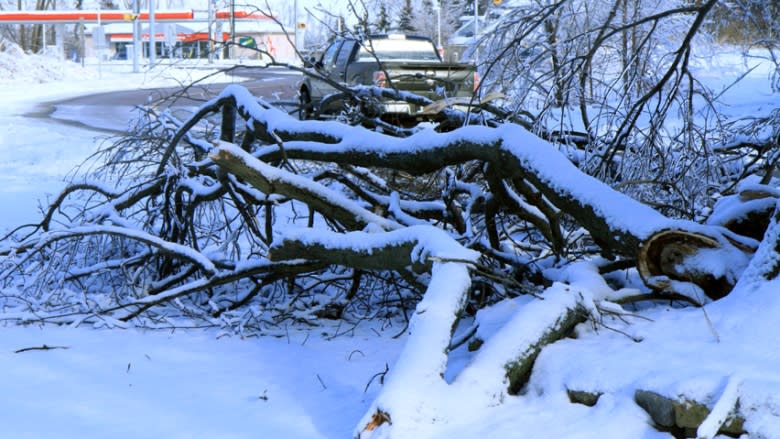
[[400, 62]]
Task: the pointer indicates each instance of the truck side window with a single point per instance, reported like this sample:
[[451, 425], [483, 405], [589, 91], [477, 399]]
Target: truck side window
[[345, 54], [329, 57], [343, 59]]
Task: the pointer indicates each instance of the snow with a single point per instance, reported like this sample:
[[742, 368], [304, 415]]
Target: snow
[[485, 374], [310, 383], [38, 152], [430, 243], [423, 360], [728, 400], [129, 383], [17, 68]]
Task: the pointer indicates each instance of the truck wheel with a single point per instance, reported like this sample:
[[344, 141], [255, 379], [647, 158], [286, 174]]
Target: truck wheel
[[306, 111]]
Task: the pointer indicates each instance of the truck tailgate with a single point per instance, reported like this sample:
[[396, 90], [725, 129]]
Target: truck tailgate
[[428, 78]]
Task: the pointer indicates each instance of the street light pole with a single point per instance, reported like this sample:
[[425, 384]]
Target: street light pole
[[100, 34]]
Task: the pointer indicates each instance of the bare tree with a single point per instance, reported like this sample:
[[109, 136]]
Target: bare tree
[[594, 71]]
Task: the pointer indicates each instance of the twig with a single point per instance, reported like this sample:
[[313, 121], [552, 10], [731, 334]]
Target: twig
[[380, 375], [40, 348], [463, 338], [322, 383], [710, 325], [356, 351]]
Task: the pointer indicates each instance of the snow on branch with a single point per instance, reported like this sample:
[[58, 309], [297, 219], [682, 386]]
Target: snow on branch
[[618, 224], [244, 270], [614, 219], [424, 358], [393, 250], [170, 248], [274, 180]]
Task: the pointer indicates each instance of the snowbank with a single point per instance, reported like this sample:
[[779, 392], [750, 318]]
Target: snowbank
[[39, 153], [17, 67]]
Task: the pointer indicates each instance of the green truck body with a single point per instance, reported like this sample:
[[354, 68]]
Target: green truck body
[[404, 63]]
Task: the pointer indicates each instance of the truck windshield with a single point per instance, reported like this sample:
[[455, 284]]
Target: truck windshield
[[398, 50]]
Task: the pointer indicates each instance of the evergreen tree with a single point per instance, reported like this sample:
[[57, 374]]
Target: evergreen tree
[[383, 21], [467, 7], [108, 4], [405, 20]]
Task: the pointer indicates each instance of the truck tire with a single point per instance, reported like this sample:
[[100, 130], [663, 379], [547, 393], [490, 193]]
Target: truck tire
[[305, 111]]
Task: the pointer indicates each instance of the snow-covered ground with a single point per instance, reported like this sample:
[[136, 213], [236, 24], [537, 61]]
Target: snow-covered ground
[[39, 153], [135, 384], [305, 383]]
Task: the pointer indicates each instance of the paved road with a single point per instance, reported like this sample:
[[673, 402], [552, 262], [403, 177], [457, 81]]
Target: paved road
[[110, 112]]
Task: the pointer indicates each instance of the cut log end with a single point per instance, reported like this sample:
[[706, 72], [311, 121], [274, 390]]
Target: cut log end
[[665, 254]]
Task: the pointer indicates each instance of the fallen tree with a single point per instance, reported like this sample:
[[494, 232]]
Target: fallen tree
[[288, 213]]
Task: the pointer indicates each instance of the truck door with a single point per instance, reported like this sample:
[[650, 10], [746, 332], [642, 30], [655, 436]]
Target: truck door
[[345, 56], [325, 68]]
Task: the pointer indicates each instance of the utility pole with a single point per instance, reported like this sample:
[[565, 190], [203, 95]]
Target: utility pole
[[83, 43], [152, 36], [22, 32], [136, 36], [476, 32], [476, 18], [99, 36], [295, 24], [210, 33], [437, 5], [59, 37], [232, 28]]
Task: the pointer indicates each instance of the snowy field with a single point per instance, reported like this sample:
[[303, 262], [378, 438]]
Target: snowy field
[[306, 383]]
